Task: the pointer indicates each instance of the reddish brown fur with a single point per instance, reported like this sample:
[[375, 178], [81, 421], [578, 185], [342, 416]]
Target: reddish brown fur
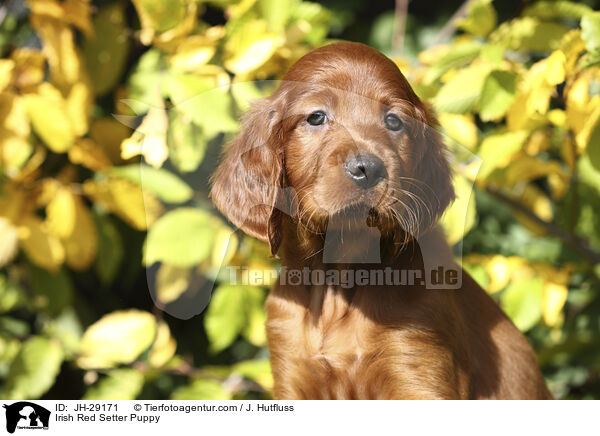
[[380, 342]]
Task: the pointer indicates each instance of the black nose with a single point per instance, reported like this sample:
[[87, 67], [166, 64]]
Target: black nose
[[366, 170]]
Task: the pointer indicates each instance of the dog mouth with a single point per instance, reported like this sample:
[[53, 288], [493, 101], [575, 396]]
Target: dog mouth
[[384, 208]]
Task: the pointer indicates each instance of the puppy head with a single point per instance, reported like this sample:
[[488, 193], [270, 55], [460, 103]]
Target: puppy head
[[347, 133]]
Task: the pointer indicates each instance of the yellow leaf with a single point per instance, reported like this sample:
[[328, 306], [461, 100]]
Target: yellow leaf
[[69, 218], [66, 65], [108, 134], [164, 346], [76, 12], [527, 168], [554, 297], [499, 269], [125, 199], [7, 68], [572, 46], [14, 154], [555, 68], [15, 148], [538, 141], [61, 213], [225, 246], [171, 282], [87, 153], [583, 136], [157, 16], [538, 203], [9, 241], [518, 117], [29, 67], [558, 117], [117, 338], [433, 54], [193, 53], [497, 150], [41, 246], [49, 118], [15, 202], [13, 116], [461, 128], [583, 109], [149, 139], [79, 105], [535, 91], [459, 218]]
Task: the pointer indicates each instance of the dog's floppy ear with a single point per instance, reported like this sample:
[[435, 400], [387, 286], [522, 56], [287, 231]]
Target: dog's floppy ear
[[434, 171], [246, 184]]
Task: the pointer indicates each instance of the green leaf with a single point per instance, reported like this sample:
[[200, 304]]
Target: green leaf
[[12, 296], [105, 53], [254, 329], [110, 249], [257, 370], [67, 329], [117, 338], [13, 326], [498, 93], [201, 389], [34, 369], [481, 18], [478, 273], [207, 105], [54, 290], [522, 302], [588, 172], [226, 316], [161, 15], [160, 182], [277, 12], [549, 10], [461, 93], [145, 85], [186, 143], [590, 31], [529, 34], [9, 348], [458, 56], [317, 16], [119, 384], [183, 237], [593, 146]]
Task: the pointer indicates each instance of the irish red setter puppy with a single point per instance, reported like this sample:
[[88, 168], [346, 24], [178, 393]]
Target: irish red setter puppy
[[341, 173]]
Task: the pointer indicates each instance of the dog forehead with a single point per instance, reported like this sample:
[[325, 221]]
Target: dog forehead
[[341, 100]]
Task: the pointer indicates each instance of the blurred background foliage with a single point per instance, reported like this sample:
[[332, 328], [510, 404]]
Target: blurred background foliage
[[89, 87]]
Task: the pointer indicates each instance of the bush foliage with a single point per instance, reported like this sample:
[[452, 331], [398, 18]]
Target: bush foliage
[[96, 98]]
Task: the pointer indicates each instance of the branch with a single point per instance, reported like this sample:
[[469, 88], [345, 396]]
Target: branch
[[570, 239], [400, 14], [450, 27], [4, 11]]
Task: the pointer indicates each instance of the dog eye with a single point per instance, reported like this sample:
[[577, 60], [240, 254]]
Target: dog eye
[[316, 118], [394, 123]]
